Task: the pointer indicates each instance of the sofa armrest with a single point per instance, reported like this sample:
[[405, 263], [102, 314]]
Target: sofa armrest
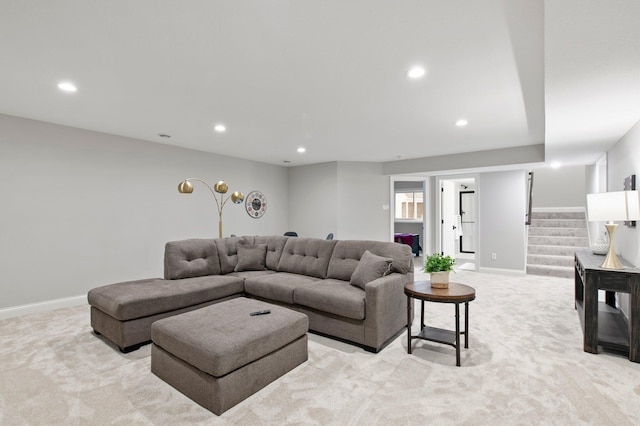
[[385, 308]]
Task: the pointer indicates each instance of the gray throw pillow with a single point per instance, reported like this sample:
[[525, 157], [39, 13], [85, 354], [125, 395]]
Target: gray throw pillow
[[370, 267], [251, 257]]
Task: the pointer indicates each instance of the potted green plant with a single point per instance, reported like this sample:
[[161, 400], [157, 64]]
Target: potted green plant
[[439, 267]]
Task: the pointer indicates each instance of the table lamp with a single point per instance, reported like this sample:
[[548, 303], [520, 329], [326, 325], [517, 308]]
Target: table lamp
[[609, 207]]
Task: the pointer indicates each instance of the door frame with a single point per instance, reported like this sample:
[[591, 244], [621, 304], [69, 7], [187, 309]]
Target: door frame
[[437, 211]]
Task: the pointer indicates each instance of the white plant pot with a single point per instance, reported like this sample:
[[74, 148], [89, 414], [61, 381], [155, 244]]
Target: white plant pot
[[440, 279]]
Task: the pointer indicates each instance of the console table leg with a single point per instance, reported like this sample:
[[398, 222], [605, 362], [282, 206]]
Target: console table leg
[[590, 343], [634, 322]]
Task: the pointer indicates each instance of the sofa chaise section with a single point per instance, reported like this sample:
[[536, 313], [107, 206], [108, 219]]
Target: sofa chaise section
[[123, 312]]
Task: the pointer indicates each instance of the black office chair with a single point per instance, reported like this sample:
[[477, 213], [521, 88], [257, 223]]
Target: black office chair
[[330, 236], [290, 234]]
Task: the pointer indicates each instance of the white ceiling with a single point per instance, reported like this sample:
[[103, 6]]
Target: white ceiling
[[330, 75]]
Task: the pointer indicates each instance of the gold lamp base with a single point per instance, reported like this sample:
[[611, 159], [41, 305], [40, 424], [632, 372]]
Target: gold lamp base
[[611, 261]]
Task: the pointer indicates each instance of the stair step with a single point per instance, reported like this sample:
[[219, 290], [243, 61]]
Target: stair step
[[549, 260], [551, 250], [558, 215], [553, 239], [559, 241], [558, 223], [558, 232], [551, 271]]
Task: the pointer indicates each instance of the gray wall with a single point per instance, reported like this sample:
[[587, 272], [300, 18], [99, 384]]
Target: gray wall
[[561, 187], [624, 160], [313, 193], [502, 209], [81, 208], [344, 198], [362, 191], [595, 182]]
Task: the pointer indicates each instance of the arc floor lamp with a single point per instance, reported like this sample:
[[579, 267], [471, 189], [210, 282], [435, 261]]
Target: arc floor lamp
[[220, 187]]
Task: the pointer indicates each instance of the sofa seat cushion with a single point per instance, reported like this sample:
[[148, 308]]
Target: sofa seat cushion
[[334, 296], [277, 287], [136, 299]]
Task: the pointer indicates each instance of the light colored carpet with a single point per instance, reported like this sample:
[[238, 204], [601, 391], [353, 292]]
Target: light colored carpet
[[525, 365]]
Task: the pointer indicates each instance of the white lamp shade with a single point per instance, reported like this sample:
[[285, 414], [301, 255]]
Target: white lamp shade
[[613, 206]]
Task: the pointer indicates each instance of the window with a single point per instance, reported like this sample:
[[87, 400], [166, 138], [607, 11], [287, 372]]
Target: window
[[409, 205]]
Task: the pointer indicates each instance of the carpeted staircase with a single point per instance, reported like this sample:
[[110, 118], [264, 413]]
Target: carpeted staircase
[[553, 238]]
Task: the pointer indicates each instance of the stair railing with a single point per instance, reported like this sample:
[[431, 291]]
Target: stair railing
[[530, 200]]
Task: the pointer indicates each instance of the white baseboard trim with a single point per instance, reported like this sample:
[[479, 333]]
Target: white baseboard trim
[[49, 305], [499, 271], [557, 209]]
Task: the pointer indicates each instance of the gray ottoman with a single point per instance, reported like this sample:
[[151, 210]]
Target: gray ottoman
[[220, 355]]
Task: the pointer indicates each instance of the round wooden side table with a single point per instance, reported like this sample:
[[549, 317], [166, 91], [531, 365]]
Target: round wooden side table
[[456, 294]]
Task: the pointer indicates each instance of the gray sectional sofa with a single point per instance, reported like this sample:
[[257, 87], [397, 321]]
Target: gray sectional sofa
[[351, 290]]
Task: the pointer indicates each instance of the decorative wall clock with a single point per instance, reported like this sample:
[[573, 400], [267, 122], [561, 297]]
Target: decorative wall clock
[[256, 204]]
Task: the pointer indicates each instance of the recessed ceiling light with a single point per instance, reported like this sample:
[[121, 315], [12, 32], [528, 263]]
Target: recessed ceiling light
[[556, 164], [416, 72], [220, 128], [301, 150], [462, 122], [66, 86]]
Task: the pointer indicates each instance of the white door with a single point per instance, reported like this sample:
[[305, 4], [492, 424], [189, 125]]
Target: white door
[[447, 217]]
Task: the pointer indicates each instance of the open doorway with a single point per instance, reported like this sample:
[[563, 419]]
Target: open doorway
[[458, 219], [409, 213]]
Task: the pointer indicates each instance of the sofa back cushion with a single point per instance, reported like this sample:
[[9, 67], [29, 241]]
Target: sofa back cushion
[[190, 258], [228, 252], [347, 255], [306, 256], [275, 244]]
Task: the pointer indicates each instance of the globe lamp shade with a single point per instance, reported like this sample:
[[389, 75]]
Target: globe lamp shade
[[221, 187], [237, 197], [185, 187]]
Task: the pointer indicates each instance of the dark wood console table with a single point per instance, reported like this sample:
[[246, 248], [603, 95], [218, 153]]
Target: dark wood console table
[[602, 322]]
